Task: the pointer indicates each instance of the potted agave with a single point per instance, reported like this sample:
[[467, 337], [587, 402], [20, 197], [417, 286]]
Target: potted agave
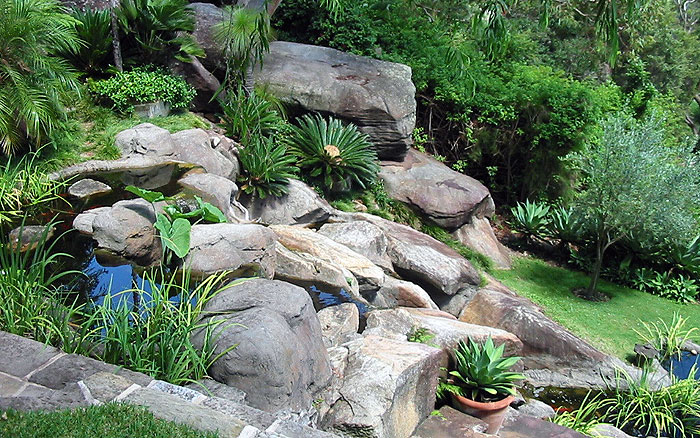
[[481, 384]]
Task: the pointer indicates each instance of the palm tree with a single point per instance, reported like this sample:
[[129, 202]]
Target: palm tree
[[33, 81]]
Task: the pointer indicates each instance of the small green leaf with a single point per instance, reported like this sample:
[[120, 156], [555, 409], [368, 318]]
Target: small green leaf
[[148, 195], [211, 213]]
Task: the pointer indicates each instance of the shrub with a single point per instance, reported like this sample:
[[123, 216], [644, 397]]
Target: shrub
[[93, 27], [34, 83], [333, 155], [564, 224], [266, 168], [247, 116], [150, 328], [141, 85]]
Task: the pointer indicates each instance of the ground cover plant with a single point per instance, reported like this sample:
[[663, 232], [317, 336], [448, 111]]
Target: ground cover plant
[[617, 320], [110, 420]]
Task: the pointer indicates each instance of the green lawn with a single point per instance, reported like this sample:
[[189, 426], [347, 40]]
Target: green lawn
[[607, 325], [106, 421]]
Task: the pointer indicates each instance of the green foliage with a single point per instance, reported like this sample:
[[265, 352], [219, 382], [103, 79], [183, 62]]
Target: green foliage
[[668, 338], [143, 85], [266, 168], [584, 419], [93, 27], [174, 226], [246, 116], [632, 184], [687, 256], [334, 155], [156, 30], [153, 333], [478, 259], [25, 187], [30, 304], [245, 35], [481, 372], [110, 420], [564, 224], [34, 82], [667, 411], [420, 335], [531, 218]]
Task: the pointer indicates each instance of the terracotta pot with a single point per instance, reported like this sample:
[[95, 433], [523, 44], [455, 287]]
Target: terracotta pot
[[491, 413]]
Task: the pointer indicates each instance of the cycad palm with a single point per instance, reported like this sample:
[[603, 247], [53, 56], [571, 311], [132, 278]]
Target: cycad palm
[[33, 82]]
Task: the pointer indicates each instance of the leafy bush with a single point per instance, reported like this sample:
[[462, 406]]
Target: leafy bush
[[564, 224], [94, 54], [34, 83], [481, 372], [247, 116], [142, 85], [266, 168], [530, 218], [333, 155], [155, 30], [150, 328]]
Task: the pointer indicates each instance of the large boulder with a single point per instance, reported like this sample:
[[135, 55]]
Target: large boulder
[[478, 235], [125, 230], [145, 139], [300, 205], [369, 275], [207, 16], [217, 190], [443, 332], [388, 387], [419, 258], [395, 293], [362, 237], [377, 96], [279, 359], [197, 146], [244, 249], [520, 316], [305, 270], [450, 199], [339, 324]]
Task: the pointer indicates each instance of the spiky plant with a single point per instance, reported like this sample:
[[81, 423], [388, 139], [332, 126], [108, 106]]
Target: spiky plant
[[481, 372], [34, 82], [266, 168], [247, 116], [332, 154], [94, 30]]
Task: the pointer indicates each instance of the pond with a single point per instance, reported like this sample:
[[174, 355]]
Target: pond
[[682, 366]]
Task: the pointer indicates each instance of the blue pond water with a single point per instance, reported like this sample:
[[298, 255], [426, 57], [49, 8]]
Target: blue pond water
[[682, 367], [100, 281]]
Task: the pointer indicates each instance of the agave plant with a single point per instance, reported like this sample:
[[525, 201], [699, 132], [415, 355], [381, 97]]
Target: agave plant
[[482, 372], [34, 83], [530, 218], [333, 154], [266, 168], [687, 256], [564, 224]]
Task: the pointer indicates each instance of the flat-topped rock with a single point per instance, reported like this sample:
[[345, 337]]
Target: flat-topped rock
[[300, 205], [87, 188], [362, 237], [369, 275], [451, 423], [243, 249], [449, 198], [530, 427]]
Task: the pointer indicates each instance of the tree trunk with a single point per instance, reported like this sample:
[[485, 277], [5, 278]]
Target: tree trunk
[[597, 267], [116, 46]]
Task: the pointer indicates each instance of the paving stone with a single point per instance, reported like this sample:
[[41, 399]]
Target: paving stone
[[171, 408], [69, 369], [212, 388], [37, 398], [106, 386], [137, 378], [9, 385], [87, 187], [180, 392], [20, 356], [450, 423], [530, 427], [254, 417]]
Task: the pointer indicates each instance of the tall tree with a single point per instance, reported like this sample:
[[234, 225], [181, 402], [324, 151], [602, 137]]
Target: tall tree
[[631, 183]]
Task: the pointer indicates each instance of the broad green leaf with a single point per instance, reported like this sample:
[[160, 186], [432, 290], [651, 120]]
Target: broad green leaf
[[180, 237], [211, 213], [148, 195]]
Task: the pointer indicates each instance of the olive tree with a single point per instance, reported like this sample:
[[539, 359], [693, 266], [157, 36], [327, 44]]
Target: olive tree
[[632, 184]]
